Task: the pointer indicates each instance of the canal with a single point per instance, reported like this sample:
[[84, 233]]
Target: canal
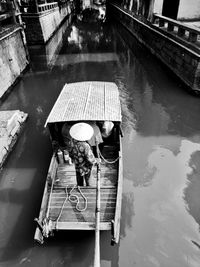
[[161, 148]]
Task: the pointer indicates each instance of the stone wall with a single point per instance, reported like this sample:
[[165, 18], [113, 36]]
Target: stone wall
[[40, 27], [188, 9], [184, 62], [158, 5], [13, 59]]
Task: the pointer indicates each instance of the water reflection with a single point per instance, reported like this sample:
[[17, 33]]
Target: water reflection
[[164, 95], [160, 145], [127, 210], [75, 37], [161, 218], [191, 192], [84, 38]]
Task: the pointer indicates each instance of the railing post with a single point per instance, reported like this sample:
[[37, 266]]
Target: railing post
[[161, 22], [170, 27], [37, 8], [192, 37], [181, 32], [12, 10]]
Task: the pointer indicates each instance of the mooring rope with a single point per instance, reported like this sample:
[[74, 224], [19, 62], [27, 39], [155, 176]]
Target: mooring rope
[[109, 162]]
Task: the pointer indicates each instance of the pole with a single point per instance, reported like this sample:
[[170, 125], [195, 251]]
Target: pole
[[97, 222]]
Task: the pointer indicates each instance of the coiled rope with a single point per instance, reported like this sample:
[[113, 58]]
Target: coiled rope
[[73, 199], [77, 198]]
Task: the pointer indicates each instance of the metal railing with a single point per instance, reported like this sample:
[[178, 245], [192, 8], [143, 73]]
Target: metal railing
[[188, 33]]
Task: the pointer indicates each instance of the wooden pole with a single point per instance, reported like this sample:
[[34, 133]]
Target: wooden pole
[[97, 223]]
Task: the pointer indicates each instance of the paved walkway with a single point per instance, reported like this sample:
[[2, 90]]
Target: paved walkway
[[195, 24]]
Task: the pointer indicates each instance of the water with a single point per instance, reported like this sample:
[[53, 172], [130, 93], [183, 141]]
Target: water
[[161, 149]]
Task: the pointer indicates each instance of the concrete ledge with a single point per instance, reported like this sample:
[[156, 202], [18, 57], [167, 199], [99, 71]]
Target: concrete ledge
[[11, 123]]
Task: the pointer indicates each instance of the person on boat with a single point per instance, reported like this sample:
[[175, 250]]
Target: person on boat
[[81, 152], [65, 134], [66, 140], [106, 129], [96, 139]]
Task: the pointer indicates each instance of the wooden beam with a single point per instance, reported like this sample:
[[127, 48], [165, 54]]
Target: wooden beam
[[119, 199], [81, 226]]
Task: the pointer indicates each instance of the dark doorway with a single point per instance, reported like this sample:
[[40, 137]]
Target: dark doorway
[[170, 8]]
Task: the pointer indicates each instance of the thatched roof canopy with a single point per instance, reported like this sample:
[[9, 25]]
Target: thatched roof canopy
[[87, 101]]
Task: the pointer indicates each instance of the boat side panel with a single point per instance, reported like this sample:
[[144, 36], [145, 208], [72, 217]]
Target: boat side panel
[[50, 177], [119, 198]]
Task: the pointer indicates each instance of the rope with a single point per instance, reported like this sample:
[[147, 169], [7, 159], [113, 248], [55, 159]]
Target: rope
[[62, 206], [110, 162], [70, 198], [77, 198]]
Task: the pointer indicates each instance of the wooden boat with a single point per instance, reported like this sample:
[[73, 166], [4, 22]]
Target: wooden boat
[[84, 101]]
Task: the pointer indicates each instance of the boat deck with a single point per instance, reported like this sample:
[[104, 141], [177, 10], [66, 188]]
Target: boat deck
[[64, 186]]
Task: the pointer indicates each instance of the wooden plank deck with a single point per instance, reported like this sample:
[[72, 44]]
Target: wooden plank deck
[[69, 216], [66, 175]]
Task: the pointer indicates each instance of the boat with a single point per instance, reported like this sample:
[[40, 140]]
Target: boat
[[66, 206]]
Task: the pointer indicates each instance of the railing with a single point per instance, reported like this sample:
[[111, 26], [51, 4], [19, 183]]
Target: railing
[[183, 31], [47, 6], [40, 6]]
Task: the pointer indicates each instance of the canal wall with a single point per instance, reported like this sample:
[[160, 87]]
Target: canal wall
[[44, 56], [13, 58], [42, 25], [182, 60]]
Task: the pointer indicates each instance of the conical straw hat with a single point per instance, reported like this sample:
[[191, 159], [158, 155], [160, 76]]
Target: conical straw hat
[[81, 131]]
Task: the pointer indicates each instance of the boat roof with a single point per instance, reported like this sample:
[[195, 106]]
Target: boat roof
[[87, 101]]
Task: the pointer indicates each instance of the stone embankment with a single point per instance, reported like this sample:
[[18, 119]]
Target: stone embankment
[[176, 45], [13, 58], [11, 123]]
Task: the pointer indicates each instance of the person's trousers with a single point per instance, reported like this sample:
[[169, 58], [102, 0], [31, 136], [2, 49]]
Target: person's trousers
[[80, 178]]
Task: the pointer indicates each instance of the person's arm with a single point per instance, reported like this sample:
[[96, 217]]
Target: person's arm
[[89, 154]]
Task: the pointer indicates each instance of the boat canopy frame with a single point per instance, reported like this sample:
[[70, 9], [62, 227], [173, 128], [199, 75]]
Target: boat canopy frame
[[87, 101]]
